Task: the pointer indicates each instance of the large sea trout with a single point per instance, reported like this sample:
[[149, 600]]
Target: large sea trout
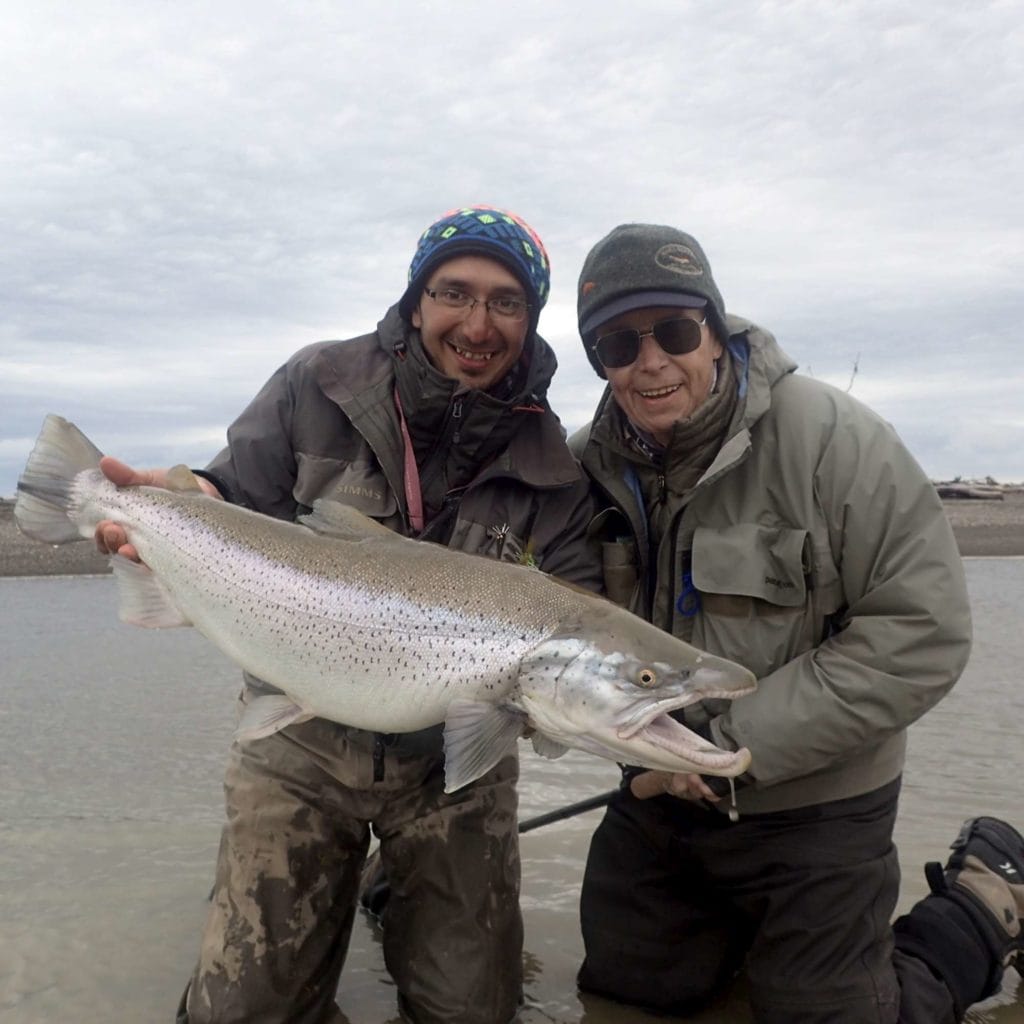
[[359, 625]]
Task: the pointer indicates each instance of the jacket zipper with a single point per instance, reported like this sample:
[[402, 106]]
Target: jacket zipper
[[456, 416]]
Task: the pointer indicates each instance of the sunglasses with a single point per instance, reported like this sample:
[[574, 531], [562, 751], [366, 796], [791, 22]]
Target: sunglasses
[[676, 337]]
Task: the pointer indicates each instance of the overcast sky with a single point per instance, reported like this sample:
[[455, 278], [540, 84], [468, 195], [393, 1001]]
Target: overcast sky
[[190, 191]]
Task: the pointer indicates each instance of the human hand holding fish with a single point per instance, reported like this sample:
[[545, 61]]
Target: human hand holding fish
[[356, 624], [685, 785], [111, 538]]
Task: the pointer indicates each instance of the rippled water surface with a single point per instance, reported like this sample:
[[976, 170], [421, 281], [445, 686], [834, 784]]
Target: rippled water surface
[[112, 742]]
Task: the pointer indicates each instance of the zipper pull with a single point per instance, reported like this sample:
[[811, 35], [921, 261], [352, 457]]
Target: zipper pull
[[457, 415]]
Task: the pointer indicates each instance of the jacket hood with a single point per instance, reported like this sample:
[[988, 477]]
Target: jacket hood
[[760, 364]]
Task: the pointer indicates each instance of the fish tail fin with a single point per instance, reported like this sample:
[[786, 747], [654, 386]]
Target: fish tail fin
[[46, 487]]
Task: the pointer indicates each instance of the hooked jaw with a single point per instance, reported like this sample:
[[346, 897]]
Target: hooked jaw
[[651, 723], [673, 737], [644, 735], [662, 743]]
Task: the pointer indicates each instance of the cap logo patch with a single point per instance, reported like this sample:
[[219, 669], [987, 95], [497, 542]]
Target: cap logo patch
[[588, 287], [679, 259]]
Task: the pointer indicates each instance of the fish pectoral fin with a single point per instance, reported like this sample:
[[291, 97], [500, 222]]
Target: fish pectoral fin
[[263, 716], [333, 519], [547, 747], [477, 735], [143, 599]]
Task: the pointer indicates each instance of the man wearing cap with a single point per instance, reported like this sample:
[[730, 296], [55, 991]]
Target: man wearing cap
[[435, 424], [771, 519]]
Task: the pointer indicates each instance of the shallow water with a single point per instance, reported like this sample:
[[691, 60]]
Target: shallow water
[[112, 741]]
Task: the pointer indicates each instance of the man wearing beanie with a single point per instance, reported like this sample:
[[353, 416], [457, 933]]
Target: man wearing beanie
[[436, 424], [771, 519]]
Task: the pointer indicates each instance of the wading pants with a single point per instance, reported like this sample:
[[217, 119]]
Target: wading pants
[[299, 810], [676, 899]]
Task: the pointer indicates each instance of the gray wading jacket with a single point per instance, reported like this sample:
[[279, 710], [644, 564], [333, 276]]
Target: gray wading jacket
[[326, 426], [813, 550]]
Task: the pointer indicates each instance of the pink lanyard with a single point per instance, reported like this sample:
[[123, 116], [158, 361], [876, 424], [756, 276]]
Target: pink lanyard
[[413, 495]]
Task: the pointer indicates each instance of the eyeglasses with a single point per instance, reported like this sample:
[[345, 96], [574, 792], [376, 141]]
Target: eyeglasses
[[503, 307], [676, 336]]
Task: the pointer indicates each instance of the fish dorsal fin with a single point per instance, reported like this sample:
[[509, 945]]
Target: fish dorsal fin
[[181, 478], [333, 519], [576, 588]]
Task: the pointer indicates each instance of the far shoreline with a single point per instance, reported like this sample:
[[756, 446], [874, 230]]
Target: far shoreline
[[982, 527]]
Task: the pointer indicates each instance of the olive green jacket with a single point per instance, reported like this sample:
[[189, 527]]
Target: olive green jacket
[[815, 552]]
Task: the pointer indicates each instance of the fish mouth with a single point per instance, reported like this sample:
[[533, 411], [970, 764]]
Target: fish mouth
[[665, 732], [653, 722]]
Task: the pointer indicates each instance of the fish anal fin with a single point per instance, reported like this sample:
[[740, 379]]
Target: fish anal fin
[[477, 735], [263, 716], [143, 599]]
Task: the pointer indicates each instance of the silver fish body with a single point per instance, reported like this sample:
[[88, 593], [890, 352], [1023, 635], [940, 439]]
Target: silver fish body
[[359, 625]]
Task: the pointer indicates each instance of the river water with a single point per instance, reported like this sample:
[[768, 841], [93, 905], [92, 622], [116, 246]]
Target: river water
[[112, 743]]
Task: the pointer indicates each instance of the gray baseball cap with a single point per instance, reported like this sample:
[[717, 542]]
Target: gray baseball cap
[[637, 266]]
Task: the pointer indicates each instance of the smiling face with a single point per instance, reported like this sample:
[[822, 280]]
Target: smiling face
[[657, 390], [474, 347]]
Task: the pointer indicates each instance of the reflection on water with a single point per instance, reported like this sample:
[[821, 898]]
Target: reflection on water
[[112, 741]]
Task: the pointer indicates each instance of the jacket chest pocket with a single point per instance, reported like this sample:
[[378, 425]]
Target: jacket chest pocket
[[755, 585]]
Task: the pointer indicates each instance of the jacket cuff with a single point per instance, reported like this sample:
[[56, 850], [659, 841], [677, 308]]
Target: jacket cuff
[[720, 786], [225, 491]]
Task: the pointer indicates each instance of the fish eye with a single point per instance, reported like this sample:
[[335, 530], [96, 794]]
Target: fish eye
[[647, 678]]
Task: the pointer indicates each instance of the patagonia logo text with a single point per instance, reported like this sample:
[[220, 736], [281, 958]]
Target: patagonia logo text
[[782, 584]]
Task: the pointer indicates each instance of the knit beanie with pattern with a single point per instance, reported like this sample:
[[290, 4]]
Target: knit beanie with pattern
[[482, 231]]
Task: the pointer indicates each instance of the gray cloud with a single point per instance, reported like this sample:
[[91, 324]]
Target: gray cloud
[[191, 193]]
